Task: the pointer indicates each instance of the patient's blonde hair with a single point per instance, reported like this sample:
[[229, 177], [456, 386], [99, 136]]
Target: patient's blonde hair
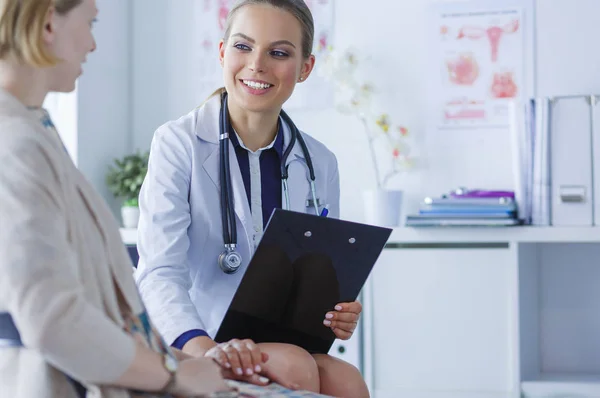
[[21, 26]]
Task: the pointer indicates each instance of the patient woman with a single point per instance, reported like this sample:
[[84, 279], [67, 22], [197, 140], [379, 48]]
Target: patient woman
[[65, 276]]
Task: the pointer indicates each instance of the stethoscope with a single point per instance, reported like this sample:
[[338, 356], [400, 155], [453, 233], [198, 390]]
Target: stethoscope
[[230, 259]]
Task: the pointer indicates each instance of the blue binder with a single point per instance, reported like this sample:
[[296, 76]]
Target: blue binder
[[303, 266]]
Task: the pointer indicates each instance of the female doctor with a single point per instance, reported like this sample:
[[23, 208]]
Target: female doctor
[[239, 145]]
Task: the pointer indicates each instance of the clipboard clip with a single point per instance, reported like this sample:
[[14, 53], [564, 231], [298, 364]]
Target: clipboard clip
[[310, 202]]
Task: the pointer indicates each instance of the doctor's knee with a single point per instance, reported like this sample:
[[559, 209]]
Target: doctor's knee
[[291, 365], [339, 378]]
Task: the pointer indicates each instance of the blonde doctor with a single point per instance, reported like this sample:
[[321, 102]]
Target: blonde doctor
[[236, 143]]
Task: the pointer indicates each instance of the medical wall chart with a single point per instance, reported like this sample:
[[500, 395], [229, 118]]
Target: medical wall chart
[[479, 59], [210, 18], [317, 92]]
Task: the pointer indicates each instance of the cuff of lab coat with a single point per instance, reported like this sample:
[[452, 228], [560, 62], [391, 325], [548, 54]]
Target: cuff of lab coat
[[187, 336]]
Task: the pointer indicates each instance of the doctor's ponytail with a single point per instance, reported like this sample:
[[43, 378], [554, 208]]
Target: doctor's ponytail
[[217, 92]]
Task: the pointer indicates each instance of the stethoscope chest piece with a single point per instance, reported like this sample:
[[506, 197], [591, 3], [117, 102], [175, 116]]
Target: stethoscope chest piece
[[230, 260]]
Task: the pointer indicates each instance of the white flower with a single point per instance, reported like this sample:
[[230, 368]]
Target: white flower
[[353, 96], [339, 67]]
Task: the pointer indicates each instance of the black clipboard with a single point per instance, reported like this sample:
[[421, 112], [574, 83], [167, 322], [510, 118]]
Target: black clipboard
[[303, 266]]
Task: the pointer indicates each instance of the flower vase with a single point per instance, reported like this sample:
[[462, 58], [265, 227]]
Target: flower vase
[[383, 207]]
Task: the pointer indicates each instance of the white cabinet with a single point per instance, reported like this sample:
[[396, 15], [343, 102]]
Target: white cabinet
[[349, 350], [443, 321], [486, 313]]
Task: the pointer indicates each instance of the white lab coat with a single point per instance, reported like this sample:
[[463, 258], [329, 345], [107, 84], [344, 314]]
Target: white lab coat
[[180, 234]]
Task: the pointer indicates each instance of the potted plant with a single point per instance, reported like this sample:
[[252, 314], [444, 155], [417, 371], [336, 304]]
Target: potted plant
[[124, 179]]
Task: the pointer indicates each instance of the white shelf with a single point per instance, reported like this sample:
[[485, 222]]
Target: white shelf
[[129, 235], [495, 234], [572, 386], [470, 235]]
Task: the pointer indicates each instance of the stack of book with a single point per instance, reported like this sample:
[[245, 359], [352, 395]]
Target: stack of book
[[468, 209]]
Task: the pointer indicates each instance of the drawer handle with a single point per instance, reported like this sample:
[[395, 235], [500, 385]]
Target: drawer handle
[[572, 194]]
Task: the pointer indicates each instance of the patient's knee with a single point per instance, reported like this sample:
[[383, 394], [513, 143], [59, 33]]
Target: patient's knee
[[291, 365]]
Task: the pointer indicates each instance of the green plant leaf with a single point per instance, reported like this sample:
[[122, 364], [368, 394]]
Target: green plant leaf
[[133, 202], [125, 176]]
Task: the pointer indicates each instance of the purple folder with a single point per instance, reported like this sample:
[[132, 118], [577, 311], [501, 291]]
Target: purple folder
[[480, 193]]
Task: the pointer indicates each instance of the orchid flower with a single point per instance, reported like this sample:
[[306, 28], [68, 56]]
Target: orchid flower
[[353, 96]]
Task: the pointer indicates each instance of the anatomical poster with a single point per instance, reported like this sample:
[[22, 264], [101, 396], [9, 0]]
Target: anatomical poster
[[316, 92], [480, 67], [210, 18]]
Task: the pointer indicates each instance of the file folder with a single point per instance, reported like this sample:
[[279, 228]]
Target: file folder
[[571, 162], [541, 183], [303, 266], [595, 108]]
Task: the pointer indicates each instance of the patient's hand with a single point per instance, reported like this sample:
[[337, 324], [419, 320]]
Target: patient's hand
[[343, 320], [240, 360], [198, 376]]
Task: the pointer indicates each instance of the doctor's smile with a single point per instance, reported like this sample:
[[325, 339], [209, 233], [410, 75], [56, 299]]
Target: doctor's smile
[[256, 87]]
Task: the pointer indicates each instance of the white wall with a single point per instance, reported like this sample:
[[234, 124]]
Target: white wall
[[64, 113], [166, 78], [150, 56], [392, 34], [569, 63], [146, 64], [103, 96]]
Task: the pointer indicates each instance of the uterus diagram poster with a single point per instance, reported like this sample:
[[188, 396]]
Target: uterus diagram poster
[[479, 64]]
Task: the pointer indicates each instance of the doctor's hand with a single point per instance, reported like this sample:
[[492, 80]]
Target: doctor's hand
[[240, 360], [343, 320]]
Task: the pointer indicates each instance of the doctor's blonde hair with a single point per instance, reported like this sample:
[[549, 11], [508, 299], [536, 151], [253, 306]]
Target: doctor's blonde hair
[[297, 8], [22, 23]]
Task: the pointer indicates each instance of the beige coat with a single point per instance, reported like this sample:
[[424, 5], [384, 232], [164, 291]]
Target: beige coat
[[65, 275]]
